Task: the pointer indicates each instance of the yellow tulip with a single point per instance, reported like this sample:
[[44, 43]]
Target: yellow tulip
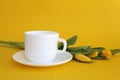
[[106, 53], [93, 55], [82, 58]]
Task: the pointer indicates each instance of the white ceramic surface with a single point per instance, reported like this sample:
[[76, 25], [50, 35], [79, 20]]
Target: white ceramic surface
[[42, 45], [60, 58]]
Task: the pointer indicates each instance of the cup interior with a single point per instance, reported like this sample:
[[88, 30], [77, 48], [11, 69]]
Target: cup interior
[[41, 32]]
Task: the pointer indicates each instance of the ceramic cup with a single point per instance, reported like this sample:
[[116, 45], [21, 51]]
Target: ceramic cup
[[42, 46]]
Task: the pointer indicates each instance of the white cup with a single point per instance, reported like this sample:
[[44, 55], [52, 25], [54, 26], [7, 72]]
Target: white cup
[[42, 46]]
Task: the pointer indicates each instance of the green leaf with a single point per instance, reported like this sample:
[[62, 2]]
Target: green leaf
[[70, 41], [17, 44], [3, 42], [85, 49], [76, 49], [99, 49], [100, 57], [114, 51], [82, 51], [88, 51], [12, 44]]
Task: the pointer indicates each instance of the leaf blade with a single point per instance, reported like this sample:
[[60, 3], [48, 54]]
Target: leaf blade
[[72, 40], [114, 51]]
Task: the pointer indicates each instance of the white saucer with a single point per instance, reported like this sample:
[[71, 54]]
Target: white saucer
[[60, 58]]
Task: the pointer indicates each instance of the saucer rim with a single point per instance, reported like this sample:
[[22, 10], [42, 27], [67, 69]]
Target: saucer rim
[[40, 64]]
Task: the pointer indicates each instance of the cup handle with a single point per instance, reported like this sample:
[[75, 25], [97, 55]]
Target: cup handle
[[64, 45]]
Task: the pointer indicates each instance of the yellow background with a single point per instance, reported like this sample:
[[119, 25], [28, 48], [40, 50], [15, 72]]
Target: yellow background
[[96, 22]]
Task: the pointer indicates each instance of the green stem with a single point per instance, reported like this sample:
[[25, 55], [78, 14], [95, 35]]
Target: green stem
[[12, 44]]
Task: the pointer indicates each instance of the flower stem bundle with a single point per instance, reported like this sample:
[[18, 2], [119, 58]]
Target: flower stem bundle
[[80, 53]]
